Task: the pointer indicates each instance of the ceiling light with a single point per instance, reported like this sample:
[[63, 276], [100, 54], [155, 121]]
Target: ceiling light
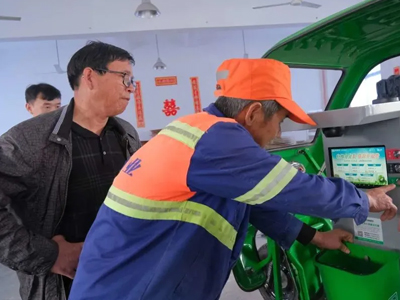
[[147, 10], [159, 65]]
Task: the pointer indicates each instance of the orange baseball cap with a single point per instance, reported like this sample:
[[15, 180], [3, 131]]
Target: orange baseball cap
[[260, 80]]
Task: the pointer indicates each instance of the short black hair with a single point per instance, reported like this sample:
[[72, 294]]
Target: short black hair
[[95, 55], [45, 90]]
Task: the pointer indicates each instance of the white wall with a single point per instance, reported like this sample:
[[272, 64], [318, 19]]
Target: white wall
[[186, 54]]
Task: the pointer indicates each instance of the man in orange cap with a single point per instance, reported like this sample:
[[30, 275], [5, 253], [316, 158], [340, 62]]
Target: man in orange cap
[[173, 223]]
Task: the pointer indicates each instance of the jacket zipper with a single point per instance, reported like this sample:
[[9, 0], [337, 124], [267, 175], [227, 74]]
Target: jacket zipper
[[127, 153], [63, 295], [66, 190]]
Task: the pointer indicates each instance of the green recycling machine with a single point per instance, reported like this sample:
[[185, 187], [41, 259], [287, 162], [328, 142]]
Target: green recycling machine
[[362, 145]]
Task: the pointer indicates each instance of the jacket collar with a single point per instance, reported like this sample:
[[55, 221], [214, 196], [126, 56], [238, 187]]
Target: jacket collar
[[213, 110], [62, 129]]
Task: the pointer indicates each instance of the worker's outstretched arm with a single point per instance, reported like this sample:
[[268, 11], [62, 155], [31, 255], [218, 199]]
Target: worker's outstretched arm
[[282, 227], [228, 163], [20, 248]]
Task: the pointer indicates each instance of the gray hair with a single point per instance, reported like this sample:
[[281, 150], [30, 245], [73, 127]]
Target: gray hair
[[231, 107]]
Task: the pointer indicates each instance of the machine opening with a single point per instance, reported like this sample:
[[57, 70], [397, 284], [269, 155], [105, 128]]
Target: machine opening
[[364, 166]]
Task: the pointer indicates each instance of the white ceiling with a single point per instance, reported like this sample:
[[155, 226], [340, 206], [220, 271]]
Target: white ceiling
[[56, 18]]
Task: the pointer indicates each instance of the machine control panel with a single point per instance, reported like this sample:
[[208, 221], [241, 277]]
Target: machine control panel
[[393, 154], [364, 166], [394, 167], [367, 154], [394, 180]]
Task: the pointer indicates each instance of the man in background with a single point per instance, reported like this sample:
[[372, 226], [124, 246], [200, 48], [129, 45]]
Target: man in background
[[57, 168], [42, 98]]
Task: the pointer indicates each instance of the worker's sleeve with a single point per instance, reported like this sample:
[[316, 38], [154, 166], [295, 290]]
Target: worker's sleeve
[[280, 226], [20, 249], [227, 162]]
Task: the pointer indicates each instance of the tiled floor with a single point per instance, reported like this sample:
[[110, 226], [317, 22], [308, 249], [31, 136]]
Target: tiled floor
[[9, 288]]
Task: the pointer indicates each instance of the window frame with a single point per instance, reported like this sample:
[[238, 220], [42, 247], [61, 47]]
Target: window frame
[[331, 97]]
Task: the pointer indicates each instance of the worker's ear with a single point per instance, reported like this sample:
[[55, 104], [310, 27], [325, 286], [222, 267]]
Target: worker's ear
[[89, 77], [254, 114], [28, 107]]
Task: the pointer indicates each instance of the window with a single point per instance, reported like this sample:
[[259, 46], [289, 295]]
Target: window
[[311, 89], [366, 93]]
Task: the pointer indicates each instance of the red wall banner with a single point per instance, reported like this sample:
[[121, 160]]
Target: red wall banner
[[196, 94], [169, 80], [139, 106]]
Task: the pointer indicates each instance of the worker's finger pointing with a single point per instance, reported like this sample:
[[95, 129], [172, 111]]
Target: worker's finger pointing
[[388, 188]]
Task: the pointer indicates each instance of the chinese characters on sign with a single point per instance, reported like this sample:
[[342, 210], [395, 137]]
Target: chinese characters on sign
[[139, 105], [196, 94], [170, 108], [170, 80]]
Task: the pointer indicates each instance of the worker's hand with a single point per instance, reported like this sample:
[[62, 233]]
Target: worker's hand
[[333, 240], [68, 257], [379, 201]]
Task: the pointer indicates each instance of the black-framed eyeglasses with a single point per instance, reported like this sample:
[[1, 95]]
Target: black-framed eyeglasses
[[126, 79]]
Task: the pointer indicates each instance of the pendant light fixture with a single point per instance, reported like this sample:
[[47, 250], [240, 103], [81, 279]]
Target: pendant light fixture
[[245, 55], [147, 10], [159, 65]]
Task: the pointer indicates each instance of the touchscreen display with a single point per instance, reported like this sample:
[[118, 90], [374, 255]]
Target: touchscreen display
[[362, 166]]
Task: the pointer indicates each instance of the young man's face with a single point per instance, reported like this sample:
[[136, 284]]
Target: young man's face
[[40, 106]]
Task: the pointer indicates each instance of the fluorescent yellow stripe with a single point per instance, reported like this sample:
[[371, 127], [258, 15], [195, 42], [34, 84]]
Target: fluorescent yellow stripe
[[282, 184], [272, 184], [183, 133], [187, 211]]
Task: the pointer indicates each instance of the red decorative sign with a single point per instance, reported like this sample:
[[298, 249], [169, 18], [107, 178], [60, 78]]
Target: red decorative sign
[[170, 108], [139, 105], [396, 71], [392, 154], [196, 94], [169, 80]]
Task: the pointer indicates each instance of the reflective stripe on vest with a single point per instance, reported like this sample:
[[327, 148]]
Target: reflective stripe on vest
[[271, 185], [186, 211], [183, 133]]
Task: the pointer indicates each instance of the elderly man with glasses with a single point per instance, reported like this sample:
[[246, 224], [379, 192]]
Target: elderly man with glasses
[[57, 168]]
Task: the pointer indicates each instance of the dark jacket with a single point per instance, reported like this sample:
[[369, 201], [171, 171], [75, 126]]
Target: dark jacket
[[35, 164]]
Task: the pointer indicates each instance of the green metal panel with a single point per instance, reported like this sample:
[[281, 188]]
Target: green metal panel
[[342, 39]]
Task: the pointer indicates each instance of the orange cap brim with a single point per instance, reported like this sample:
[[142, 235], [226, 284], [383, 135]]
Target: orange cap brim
[[296, 114], [218, 93]]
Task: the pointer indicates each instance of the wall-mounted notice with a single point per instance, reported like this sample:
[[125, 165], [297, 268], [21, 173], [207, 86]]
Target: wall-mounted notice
[[369, 231], [196, 94], [139, 106], [163, 81]]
